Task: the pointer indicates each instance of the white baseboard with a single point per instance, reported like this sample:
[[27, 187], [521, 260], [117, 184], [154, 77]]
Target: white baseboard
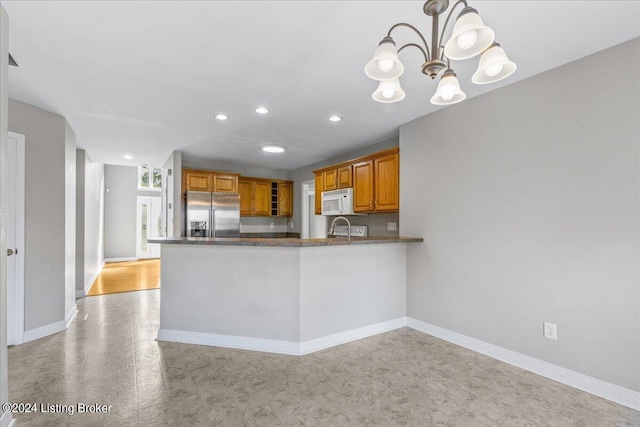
[[612, 392], [230, 341], [43, 331], [6, 420], [318, 344], [73, 312], [106, 260], [277, 346], [92, 280]]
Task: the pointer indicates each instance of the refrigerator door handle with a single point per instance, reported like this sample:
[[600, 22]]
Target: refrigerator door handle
[[212, 226]]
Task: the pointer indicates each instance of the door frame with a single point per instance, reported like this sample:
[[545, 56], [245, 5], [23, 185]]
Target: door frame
[[140, 199], [20, 234]]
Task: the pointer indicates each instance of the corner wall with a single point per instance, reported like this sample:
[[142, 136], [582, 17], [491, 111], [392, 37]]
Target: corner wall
[[89, 221], [528, 199], [45, 216], [120, 205]]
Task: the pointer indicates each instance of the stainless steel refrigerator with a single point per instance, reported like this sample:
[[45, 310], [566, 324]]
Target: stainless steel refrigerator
[[213, 214]]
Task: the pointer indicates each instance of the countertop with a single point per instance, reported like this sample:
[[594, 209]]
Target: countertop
[[284, 242]]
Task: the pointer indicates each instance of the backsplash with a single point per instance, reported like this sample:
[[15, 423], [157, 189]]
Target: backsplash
[[377, 223], [256, 224]]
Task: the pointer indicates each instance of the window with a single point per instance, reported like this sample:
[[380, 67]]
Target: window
[[149, 179]]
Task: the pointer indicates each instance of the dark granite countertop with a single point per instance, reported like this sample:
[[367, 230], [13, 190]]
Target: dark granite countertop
[[284, 242]]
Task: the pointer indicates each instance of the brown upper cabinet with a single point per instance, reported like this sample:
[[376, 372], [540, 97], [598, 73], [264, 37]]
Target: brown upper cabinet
[[339, 177], [255, 196], [285, 198], [375, 180], [201, 180], [265, 197]]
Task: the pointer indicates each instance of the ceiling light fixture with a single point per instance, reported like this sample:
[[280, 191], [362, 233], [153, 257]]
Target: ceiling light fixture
[[221, 116], [334, 118], [262, 110], [128, 156], [470, 37], [273, 148]]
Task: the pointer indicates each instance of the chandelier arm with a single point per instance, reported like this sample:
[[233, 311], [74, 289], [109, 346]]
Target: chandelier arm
[[425, 51], [426, 58], [447, 21]]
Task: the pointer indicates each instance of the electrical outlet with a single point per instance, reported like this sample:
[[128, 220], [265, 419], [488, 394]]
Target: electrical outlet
[[550, 330], [272, 226], [240, 225], [392, 226], [291, 224]]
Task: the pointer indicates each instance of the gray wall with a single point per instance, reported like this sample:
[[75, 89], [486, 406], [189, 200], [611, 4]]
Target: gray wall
[[528, 200], [4, 90], [89, 220], [45, 221], [120, 204], [69, 221], [376, 222]]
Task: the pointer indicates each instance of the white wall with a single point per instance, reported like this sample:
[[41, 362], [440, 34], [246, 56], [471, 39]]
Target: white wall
[[171, 198], [4, 90], [120, 210], [89, 220], [45, 213], [528, 199]]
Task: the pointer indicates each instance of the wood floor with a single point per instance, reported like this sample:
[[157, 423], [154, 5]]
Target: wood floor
[[127, 276]]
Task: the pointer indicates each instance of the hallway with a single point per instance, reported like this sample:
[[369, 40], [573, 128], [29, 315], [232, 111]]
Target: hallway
[[109, 357]]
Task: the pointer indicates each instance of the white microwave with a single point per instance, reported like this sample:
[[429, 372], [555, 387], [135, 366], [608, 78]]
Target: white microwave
[[338, 202]]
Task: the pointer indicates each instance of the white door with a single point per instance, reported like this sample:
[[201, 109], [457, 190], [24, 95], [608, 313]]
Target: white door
[[15, 238], [149, 225]]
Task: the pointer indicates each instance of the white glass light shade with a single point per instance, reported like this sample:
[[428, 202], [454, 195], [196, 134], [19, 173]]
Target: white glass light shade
[[389, 91], [493, 66], [448, 91], [470, 36], [273, 149], [385, 64]]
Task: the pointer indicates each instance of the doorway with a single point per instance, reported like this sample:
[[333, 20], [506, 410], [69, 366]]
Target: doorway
[[148, 226], [312, 226], [15, 237]]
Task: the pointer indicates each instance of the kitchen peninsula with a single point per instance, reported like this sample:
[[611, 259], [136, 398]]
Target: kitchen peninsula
[[290, 296]]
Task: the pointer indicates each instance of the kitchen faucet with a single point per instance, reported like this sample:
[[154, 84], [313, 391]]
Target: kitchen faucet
[[333, 224]]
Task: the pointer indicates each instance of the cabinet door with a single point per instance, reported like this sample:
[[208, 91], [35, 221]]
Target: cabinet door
[[319, 190], [245, 189], [330, 180], [345, 177], [387, 179], [363, 187], [262, 198], [225, 183], [285, 199], [198, 181]]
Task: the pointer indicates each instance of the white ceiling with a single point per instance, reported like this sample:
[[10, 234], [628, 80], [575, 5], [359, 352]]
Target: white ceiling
[[145, 78]]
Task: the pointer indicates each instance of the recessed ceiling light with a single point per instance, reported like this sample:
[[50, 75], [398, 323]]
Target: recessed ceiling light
[[262, 110], [334, 118], [273, 148], [128, 156], [221, 116]]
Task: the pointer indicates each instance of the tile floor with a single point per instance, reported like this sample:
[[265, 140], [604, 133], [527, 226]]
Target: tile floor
[[402, 377]]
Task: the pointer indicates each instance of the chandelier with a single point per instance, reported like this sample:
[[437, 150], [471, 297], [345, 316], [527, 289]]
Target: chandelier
[[470, 37]]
